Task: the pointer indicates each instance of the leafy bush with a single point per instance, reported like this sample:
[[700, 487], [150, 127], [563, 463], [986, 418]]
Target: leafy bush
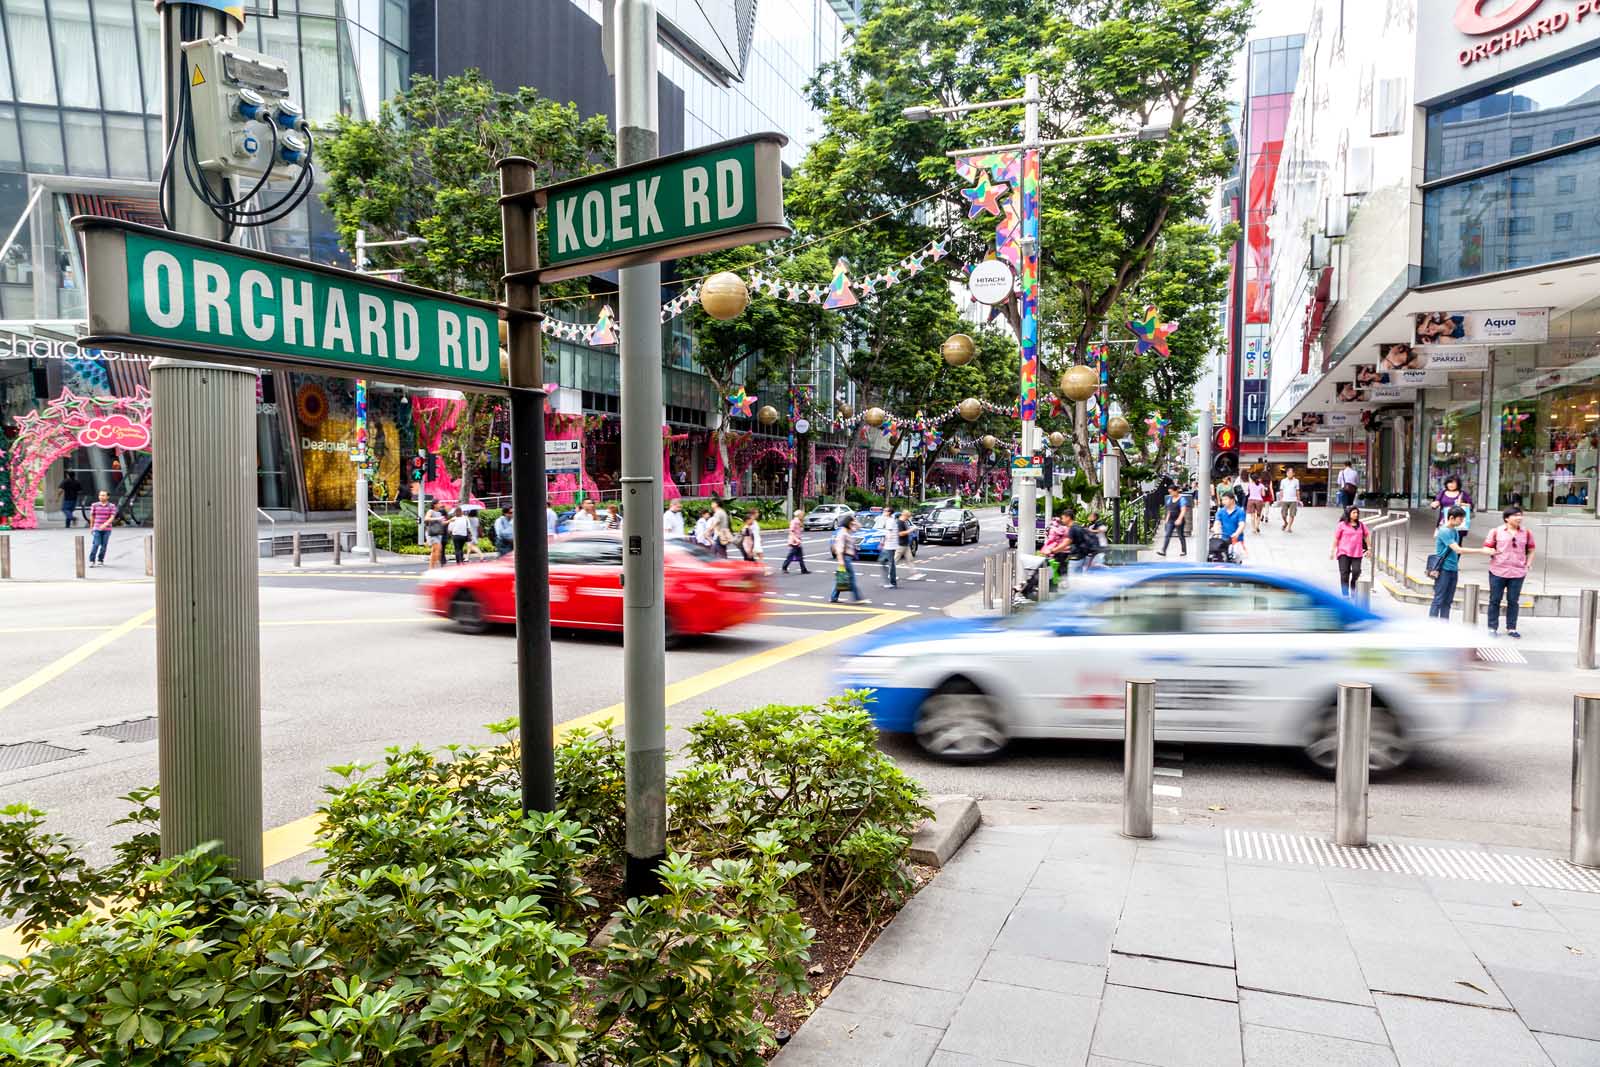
[[449, 928], [393, 533], [859, 498]]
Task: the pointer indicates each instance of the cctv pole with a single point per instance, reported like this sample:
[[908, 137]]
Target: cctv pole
[[1200, 508], [208, 637], [1028, 391], [644, 676]]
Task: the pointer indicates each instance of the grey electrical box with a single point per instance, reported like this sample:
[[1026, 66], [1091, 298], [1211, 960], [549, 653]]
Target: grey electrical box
[[243, 118]]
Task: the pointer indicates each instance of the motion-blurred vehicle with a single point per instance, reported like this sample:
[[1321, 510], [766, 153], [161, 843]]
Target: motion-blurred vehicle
[[1237, 657], [705, 594], [869, 542], [947, 526], [1011, 528], [827, 516]]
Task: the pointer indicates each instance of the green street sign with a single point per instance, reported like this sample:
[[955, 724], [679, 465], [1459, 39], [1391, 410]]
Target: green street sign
[[156, 291], [718, 197]]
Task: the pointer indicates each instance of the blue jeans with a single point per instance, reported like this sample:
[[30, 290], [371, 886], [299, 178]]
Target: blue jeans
[[888, 562], [1511, 589], [850, 569], [69, 508], [1444, 591], [97, 545]]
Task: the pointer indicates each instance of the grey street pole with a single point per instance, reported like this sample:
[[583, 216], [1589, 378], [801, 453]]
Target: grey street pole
[[530, 559], [208, 636], [644, 676], [1200, 508], [1027, 500]]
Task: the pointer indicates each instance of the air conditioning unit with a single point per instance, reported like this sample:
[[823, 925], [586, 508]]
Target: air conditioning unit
[[1321, 251], [1335, 216]]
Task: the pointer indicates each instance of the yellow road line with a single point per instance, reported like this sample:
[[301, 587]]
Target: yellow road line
[[46, 674]]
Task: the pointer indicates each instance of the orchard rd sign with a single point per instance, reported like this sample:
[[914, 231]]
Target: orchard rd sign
[[718, 197], [166, 293]]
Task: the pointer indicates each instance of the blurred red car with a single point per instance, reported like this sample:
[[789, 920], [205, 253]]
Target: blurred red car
[[704, 593]]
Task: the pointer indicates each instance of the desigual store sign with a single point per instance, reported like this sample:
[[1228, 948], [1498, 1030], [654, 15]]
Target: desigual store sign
[[1462, 43]]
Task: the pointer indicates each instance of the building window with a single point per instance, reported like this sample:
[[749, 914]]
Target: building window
[[1522, 185], [1472, 150], [1515, 226], [1563, 136], [28, 29], [1521, 146], [1563, 220], [1567, 184], [1513, 120]]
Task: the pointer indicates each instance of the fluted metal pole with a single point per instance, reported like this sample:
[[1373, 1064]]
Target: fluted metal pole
[[77, 555], [208, 639], [1586, 780], [1588, 617], [1469, 603], [1350, 773], [1139, 759]]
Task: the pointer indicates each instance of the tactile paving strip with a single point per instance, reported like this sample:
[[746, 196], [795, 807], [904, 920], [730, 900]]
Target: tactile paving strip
[[1544, 872]]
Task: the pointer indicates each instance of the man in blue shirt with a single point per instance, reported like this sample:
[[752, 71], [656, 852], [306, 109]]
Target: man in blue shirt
[[1447, 546], [1230, 520], [1177, 511]]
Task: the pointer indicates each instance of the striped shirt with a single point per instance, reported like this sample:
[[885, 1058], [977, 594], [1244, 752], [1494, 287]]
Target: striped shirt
[[101, 515]]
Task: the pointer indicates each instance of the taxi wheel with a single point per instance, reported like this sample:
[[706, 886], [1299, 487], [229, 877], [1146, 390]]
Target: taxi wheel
[[467, 613], [959, 723], [1389, 748]]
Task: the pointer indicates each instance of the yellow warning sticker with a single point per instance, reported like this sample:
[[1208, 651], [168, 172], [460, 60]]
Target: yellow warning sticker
[[198, 79]]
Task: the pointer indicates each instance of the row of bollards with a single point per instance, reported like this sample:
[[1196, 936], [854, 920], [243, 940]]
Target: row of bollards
[[1353, 725], [80, 564], [999, 580]]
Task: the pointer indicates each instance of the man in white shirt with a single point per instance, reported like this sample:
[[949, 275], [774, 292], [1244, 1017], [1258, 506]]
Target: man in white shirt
[[702, 529], [1288, 499], [672, 521], [889, 523], [549, 521], [1347, 484], [586, 519]]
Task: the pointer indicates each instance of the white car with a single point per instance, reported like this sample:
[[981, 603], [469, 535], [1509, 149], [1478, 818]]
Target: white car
[[1244, 657], [827, 516]]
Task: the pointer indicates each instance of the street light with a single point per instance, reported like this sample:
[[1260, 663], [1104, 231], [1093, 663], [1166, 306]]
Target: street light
[[1030, 146]]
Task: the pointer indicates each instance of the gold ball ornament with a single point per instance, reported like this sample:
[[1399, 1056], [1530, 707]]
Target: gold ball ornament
[[1058, 439], [724, 296], [989, 442], [768, 414], [876, 416], [1079, 383], [1118, 428], [970, 408], [845, 411], [958, 350]]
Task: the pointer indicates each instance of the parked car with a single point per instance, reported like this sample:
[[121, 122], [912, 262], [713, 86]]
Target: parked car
[[704, 594], [827, 516], [1237, 657], [951, 526]]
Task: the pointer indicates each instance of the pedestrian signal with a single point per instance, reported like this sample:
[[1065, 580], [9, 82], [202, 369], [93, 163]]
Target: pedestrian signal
[[1224, 465], [1225, 439]]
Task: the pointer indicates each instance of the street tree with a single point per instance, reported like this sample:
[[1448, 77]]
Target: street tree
[[425, 167]]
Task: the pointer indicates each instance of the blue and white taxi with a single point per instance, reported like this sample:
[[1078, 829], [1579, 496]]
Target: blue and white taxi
[[1243, 657]]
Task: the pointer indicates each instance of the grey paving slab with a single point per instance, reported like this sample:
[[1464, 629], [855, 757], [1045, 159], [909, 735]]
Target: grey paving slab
[[1267, 1047], [1481, 892], [1566, 898], [1356, 876], [1534, 950], [1146, 1026], [957, 1059], [1382, 913], [841, 1039], [938, 940], [1432, 969], [1190, 839], [1089, 877], [1582, 922], [988, 867], [1019, 1025], [1056, 931], [1174, 935], [1325, 1018], [1279, 893], [1173, 976], [1157, 876], [1528, 916], [1038, 838], [1570, 1051], [1299, 958], [1427, 1033], [1163, 852], [1555, 1003], [1036, 972], [894, 1000]]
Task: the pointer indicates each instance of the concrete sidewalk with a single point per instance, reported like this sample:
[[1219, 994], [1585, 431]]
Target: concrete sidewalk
[[1051, 946]]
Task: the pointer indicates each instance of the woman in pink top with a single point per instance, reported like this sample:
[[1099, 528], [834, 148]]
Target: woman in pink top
[[1350, 542], [797, 527], [1512, 549]]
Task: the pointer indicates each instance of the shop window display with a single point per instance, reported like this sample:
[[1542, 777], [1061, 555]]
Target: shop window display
[[1547, 399]]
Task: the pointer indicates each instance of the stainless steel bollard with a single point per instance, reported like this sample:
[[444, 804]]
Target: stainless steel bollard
[[988, 583], [1586, 780], [1364, 591], [1350, 774], [1469, 603], [77, 554], [149, 555], [1139, 759], [5, 555], [1588, 616], [338, 542], [297, 548]]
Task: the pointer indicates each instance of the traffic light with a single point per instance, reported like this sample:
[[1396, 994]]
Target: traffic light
[[419, 466], [1225, 440], [433, 467], [1224, 453]]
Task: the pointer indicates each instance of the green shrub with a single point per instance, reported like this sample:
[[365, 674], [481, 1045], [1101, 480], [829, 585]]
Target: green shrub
[[859, 498], [591, 785], [393, 533]]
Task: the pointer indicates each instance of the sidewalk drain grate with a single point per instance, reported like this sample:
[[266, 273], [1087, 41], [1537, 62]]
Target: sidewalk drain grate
[[133, 730], [32, 753], [1464, 864]]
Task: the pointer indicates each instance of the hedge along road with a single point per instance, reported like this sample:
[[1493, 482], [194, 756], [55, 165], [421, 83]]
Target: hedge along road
[[345, 674]]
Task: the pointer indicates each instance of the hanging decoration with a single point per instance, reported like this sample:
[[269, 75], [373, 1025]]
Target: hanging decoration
[[69, 422], [1151, 332], [1156, 427], [839, 294], [1511, 421], [604, 331], [984, 198], [741, 403]]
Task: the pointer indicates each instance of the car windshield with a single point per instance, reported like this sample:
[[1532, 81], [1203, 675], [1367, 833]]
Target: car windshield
[[692, 548], [947, 515]]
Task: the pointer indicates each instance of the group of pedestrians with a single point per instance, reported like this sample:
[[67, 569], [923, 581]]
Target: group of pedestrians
[[462, 527], [845, 549]]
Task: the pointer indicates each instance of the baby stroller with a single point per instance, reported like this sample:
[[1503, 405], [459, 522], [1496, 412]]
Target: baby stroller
[[1221, 551], [1032, 568]]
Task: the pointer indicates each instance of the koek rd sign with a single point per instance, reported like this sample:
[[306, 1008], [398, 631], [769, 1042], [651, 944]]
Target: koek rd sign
[[153, 290], [718, 197]]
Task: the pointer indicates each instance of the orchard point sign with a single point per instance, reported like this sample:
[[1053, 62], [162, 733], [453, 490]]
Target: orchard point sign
[[155, 291], [1514, 26]]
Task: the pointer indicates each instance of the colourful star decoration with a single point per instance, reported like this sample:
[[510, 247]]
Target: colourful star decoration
[[1156, 426], [605, 328], [1151, 332], [984, 198], [1511, 421], [839, 294], [741, 403]]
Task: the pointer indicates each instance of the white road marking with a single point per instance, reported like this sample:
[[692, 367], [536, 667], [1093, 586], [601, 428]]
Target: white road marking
[[1166, 791], [1170, 772]]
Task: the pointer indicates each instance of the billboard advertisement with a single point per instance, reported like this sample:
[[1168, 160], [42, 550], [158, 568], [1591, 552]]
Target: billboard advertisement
[[1526, 326]]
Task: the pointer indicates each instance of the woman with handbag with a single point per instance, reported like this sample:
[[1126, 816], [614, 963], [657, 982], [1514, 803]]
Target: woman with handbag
[[844, 550], [1453, 496], [1351, 542]]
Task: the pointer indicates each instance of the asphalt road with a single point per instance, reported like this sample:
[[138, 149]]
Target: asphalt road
[[350, 667]]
